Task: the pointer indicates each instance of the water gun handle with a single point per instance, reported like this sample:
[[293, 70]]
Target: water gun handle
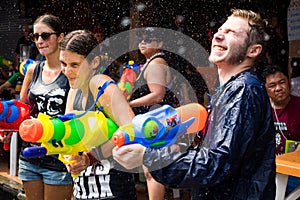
[[40, 151], [62, 159]]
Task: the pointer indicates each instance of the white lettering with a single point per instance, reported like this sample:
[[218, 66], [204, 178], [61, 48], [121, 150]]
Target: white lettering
[[105, 189], [93, 189]]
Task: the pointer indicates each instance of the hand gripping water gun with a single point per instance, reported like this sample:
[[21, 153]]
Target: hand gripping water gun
[[128, 78], [162, 126], [25, 64], [66, 134], [5, 62], [12, 113]]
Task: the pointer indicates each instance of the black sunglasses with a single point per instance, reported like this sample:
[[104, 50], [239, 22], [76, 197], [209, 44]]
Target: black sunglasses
[[146, 40], [44, 36]]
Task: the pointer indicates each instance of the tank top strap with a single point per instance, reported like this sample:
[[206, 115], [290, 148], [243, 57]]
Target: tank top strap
[[157, 55]]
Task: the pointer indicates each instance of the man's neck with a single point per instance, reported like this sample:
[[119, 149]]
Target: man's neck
[[227, 71]]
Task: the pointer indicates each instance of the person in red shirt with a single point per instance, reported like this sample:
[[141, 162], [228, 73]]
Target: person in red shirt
[[286, 112], [286, 107]]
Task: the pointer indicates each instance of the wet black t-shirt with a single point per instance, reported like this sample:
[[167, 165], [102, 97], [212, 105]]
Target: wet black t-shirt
[[49, 99]]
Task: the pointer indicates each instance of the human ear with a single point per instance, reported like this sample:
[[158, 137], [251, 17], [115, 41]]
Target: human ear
[[61, 37], [96, 62], [160, 44], [254, 50]]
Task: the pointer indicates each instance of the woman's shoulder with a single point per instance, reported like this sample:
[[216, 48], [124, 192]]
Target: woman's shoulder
[[98, 80], [32, 67], [157, 63]]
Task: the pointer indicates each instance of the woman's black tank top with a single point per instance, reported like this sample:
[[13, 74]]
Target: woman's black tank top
[[49, 99], [141, 89]]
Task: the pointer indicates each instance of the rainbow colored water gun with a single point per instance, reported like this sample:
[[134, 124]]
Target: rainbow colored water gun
[[25, 64], [161, 127], [126, 83], [12, 114], [5, 62], [66, 134]]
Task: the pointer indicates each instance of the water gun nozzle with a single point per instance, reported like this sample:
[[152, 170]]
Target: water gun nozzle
[[29, 126]]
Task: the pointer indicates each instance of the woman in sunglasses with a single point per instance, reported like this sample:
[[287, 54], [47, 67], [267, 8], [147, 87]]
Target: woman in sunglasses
[[45, 89], [80, 60], [150, 89]]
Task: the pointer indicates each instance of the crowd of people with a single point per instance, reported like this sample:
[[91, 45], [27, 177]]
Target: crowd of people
[[251, 113]]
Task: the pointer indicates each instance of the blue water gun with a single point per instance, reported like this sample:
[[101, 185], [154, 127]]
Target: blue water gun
[[162, 126]]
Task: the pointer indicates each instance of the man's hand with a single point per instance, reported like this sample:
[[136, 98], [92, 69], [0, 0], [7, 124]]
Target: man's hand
[[130, 156]]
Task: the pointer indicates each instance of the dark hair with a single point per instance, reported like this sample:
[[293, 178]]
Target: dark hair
[[151, 32], [82, 42], [51, 21], [270, 70]]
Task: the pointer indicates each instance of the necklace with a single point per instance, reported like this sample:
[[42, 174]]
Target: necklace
[[157, 54], [281, 127]]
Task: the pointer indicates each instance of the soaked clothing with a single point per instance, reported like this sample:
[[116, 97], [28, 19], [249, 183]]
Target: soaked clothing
[[287, 123], [100, 181], [236, 159], [49, 99], [141, 89]]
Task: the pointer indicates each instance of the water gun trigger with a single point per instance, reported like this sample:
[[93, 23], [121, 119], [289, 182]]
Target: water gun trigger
[[68, 162]]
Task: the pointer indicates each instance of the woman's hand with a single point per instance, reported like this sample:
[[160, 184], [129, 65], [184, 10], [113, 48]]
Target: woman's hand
[[5, 138], [130, 156], [77, 163]]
